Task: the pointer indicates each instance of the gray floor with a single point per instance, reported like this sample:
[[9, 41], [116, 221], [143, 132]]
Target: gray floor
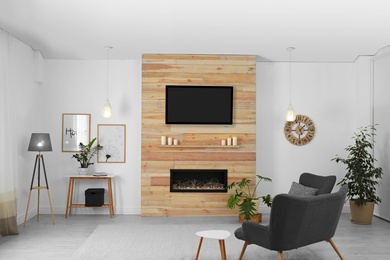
[[42, 239]]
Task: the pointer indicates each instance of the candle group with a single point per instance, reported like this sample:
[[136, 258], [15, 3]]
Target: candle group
[[229, 141], [168, 141]]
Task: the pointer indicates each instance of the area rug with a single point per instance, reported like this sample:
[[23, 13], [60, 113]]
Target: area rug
[[170, 242]]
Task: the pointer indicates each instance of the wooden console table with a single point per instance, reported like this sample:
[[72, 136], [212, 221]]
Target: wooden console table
[[69, 202]]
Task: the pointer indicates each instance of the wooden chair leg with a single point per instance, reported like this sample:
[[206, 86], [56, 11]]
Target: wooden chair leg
[[280, 253], [336, 249], [243, 250]]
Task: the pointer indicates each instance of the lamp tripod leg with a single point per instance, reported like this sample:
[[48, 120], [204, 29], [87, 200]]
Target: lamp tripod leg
[[47, 187], [39, 197], [28, 204], [51, 208]]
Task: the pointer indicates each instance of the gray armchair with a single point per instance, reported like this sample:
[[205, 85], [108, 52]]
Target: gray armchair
[[296, 222], [324, 184]]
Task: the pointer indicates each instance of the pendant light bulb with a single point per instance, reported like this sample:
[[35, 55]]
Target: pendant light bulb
[[290, 115], [107, 110]]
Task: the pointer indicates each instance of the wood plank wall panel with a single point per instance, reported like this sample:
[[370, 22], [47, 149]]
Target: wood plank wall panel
[[159, 70]]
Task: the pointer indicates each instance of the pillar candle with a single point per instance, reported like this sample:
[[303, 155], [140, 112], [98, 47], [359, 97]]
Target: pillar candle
[[229, 141], [175, 142], [223, 142], [169, 140], [234, 140], [163, 140]]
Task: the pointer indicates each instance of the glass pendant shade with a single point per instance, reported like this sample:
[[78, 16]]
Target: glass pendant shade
[[107, 110], [290, 115]]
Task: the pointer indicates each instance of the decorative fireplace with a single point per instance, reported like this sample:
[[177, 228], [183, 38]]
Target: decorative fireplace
[[194, 180]]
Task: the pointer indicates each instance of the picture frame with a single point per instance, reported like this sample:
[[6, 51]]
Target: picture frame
[[76, 129], [113, 139]]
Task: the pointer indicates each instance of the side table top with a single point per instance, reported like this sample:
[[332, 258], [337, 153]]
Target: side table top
[[78, 176], [214, 234]]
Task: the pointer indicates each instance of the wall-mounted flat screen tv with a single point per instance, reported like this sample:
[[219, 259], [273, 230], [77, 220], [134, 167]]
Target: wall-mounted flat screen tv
[[199, 105]]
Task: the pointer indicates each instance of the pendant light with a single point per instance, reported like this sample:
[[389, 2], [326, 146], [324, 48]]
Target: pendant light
[[107, 110], [290, 115]]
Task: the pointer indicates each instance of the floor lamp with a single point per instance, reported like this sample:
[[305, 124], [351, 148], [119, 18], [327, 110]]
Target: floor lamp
[[39, 142]]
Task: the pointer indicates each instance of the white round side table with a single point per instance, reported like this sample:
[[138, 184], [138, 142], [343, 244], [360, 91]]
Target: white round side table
[[219, 235]]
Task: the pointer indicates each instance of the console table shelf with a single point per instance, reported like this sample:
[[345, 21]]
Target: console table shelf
[[83, 206], [200, 146]]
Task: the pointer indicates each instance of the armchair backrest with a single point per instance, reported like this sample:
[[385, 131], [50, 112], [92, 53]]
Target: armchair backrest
[[324, 184], [300, 221]]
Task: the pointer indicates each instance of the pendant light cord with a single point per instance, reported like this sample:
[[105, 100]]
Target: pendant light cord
[[290, 49], [108, 50], [290, 74]]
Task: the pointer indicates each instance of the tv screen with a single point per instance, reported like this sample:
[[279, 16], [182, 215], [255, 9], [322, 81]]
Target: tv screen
[[199, 105]]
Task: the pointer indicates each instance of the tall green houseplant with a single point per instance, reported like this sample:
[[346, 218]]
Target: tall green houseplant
[[362, 176]]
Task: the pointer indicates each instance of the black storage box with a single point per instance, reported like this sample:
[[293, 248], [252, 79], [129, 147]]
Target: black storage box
[[94, 197]]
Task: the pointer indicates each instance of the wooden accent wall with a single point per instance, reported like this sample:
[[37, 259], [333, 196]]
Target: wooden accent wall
[[199, 145]]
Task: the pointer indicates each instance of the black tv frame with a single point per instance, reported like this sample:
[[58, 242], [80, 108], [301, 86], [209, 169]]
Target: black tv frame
[[199, 122]]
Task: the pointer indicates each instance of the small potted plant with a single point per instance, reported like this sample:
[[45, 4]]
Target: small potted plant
[[246, 199], [362, 176], [85, 155]]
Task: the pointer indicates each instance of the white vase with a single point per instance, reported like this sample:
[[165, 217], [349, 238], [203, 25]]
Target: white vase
[[83, 171]]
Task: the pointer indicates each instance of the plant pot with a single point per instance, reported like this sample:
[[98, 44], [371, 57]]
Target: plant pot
[[361, 214], [255, 218], [82, 171]]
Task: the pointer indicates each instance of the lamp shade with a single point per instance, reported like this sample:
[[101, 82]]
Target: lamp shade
[[290, 115], [40, 142], [107, 110]]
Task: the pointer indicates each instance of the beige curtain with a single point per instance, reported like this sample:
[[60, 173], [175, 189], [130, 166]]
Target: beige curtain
[[8, 154]]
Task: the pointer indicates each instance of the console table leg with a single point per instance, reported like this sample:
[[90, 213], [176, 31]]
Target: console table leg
[[68, 199]]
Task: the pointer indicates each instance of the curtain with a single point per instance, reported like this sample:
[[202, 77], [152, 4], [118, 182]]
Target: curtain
[[8, 152]]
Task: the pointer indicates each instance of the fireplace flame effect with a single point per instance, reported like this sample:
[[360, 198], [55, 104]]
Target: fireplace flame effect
[[195, 184]]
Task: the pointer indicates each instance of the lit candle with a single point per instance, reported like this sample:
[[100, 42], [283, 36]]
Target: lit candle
[[163, 140]]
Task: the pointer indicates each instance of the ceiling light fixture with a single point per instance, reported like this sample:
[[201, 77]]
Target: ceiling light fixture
[[290, 115], [107, 110]]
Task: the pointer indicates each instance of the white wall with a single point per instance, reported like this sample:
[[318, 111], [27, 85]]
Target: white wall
[[381, 65], [72, 86], [27, 115], [331, 94]]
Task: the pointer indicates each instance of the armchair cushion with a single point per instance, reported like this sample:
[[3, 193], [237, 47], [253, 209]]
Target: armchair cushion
[[301, 190]]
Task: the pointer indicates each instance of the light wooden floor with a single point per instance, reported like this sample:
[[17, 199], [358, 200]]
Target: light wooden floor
[[43, 240]]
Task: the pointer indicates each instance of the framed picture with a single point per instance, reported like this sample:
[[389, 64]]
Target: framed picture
[[113, 139], [76, 129]]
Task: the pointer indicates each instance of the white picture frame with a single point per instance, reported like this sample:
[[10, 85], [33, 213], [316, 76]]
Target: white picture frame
[[113, 139]]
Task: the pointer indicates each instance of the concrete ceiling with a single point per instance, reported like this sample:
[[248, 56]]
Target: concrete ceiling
[[321, 31]]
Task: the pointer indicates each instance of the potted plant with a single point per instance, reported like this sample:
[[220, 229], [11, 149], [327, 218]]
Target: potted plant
[[86, 153], [246, 199], [362, 176]]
